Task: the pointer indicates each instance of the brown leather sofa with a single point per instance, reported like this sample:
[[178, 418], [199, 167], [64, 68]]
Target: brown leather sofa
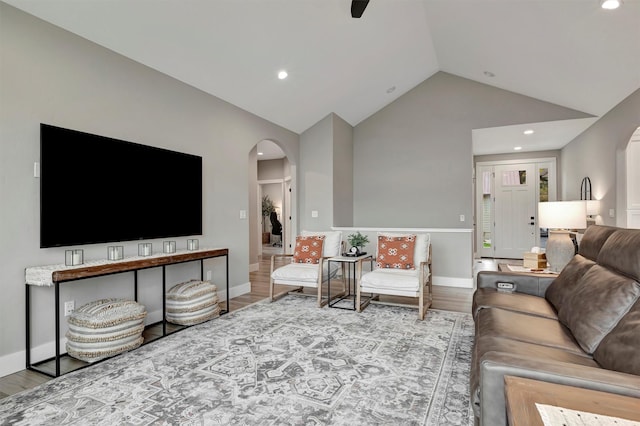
[[579, 329]]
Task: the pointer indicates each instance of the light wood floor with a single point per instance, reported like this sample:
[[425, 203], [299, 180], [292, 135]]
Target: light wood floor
[[445, 298]]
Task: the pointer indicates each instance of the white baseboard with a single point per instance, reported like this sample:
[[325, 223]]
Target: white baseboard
[[453, 282], [17, 361], [235, 291], [14, 362]]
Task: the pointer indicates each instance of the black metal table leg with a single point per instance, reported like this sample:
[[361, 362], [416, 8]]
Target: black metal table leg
[[28, 324], [57, 311]]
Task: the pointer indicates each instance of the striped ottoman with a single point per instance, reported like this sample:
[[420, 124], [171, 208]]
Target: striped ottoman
[[192, 302], [105, 328]]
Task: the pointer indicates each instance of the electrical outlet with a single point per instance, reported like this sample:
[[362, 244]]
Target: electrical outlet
[[208, 275], [69, 306], [461, 218]]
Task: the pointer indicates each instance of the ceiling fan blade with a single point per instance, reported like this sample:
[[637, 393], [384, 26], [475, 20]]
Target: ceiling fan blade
[[358, 7]]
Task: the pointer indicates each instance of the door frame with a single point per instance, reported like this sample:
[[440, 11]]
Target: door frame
[[551, 162]]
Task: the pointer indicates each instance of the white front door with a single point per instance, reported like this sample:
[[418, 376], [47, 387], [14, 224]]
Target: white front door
[[515, 210]]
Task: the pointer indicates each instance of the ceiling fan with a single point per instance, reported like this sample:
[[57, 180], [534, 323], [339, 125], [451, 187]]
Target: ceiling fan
[[358, 7]]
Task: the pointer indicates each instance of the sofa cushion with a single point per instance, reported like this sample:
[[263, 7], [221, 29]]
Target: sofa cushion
[[567, 281], [517, 302], [526, 328], [484, 344], [594, 238], [620, 252], [303, 273], [601, 298], [620, 349], [390, 279]]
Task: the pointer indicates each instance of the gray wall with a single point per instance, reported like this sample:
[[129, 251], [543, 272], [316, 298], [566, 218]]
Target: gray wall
[[342, 172], [271, 169], [326, 158], [315, 184], [597, 153], [413, 159], [52, 76]]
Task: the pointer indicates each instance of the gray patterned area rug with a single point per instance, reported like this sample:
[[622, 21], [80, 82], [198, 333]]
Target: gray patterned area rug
[[281, 363]]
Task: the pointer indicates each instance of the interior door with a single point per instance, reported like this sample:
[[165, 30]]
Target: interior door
[[515, 210]]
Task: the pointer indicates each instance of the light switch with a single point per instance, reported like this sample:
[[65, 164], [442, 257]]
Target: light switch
[[243, 214], [36, 170], [461, 218], [314, 213], [612, 213]]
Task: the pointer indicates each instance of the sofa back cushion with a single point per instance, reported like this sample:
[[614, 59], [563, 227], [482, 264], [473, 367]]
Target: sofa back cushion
[[621, 252], [600, 299], [565, 284], [594, 238], [620, 349]]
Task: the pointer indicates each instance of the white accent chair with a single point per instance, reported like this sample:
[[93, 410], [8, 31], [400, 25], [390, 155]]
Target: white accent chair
[[400, 282], [303, 275]]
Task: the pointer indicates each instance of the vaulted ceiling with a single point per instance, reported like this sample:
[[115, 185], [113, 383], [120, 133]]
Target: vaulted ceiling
[[568, 52]]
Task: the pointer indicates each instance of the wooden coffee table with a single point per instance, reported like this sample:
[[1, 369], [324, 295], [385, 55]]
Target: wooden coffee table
[[523, 394]]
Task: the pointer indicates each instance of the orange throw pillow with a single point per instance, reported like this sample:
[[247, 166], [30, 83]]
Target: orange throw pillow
[[308, 249], [396, 252]]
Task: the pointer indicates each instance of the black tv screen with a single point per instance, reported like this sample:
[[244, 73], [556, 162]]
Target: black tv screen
[[95, 189]]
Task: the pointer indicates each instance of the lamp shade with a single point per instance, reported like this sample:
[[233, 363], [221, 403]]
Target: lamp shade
[[593, 207], [562, 215]]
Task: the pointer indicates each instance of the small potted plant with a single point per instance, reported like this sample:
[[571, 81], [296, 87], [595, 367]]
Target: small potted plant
[[357, 242]]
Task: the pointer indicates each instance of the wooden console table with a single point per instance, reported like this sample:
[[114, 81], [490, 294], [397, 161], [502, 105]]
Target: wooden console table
[[522, 395], [54, 275]]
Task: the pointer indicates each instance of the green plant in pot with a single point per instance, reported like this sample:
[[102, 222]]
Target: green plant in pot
[[357, 241], [267, 208]]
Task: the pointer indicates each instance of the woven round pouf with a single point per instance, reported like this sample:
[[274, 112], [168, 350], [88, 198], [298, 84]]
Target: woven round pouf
[[192, 302], [105, 328]]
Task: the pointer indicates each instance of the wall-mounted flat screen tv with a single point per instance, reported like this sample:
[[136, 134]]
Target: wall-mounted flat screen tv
[[96, 189]]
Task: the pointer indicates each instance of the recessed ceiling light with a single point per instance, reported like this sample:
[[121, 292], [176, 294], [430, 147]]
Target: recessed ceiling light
[[260, 153], [528, 132], [489, 74], [517, 148], [282, 75], [391, 89], [610, 4]]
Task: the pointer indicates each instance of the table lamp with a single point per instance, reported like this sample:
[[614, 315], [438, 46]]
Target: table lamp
[[560, 217]]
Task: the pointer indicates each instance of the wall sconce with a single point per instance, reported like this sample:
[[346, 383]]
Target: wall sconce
[[592, 206]]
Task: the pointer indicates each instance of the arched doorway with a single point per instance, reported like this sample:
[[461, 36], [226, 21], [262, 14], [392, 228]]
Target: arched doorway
[[271, 176]]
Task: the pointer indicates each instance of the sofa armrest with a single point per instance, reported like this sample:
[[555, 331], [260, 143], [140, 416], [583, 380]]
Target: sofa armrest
[[529, 283], [495, 365]]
